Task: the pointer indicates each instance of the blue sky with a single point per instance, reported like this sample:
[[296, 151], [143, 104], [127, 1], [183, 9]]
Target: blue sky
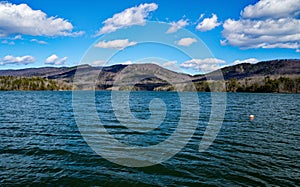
[[64, 33]]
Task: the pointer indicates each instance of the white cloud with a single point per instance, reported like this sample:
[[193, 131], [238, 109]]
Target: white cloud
[[249, 60], [129, 17], [186, 41], [282, 45], [98, 63], [201, 16], [208, 23], [261, 26], [205, 65], [272, 8], [17, 37], [11, 40], [223, 42], [169, 64], [103, 62], [115, 44], [175, 26], [20, 60], [8, 42], [21, 19], [55, 60], [262, 33], [128, 62], [39, 41]]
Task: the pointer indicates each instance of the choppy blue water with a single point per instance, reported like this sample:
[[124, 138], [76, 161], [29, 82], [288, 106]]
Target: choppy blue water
[[40, 143]]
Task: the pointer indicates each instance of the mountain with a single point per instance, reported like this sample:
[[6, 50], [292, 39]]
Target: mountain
[[267, 68], [154, 77]]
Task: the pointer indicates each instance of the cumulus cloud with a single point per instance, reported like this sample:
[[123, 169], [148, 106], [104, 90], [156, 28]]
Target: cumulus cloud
[[208, 23], [55, 60], [19, 60], [262, 33], [205, 65], [115, 44], [272, 8], [129, 17], [249, 60], [261, 27], [186, 41], [21, 19], [175, 26]]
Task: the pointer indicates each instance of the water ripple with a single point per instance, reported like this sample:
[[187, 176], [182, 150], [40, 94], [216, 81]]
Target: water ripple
[[41, 144]]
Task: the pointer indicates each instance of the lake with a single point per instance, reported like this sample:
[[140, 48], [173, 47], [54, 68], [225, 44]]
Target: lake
[[41, 143]]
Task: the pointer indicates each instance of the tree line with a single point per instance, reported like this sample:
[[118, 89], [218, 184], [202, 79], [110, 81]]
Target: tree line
[[258, 85], [262, 85], [267, 85], [31, 83]]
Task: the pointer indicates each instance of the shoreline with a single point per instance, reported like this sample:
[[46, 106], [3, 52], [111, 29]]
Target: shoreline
[[144, 91]]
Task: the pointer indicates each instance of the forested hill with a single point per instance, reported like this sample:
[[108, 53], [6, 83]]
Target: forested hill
[[239, 71], [267, 68], [267, 76]]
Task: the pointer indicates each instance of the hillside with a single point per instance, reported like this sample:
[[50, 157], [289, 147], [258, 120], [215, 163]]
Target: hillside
[[8, 83], [267, 68], [240, 77]]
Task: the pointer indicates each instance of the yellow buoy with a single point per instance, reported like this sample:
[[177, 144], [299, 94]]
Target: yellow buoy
[[251, 117]]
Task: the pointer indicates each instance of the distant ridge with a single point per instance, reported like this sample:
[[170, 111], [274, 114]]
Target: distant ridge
[[265, 68], [243, 74], [239, 71]]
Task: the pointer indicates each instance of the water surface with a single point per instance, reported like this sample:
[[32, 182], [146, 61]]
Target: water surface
[[41, 143]]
